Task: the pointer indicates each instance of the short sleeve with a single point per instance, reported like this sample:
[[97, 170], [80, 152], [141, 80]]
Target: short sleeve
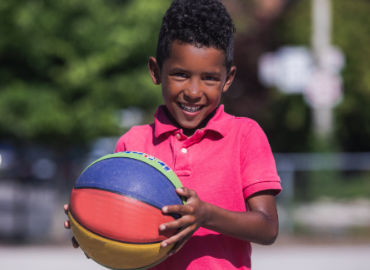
[[137, 138], [120, 145], [258, 168]]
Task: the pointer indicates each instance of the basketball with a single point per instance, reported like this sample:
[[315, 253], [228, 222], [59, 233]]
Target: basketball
[[115, 209]]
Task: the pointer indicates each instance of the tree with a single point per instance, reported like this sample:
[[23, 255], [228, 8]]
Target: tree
[[66, 67], [352, 35], [286, 118]]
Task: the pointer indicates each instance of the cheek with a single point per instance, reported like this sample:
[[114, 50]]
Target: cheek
[[168, 97], [215, 94], [170, 90]]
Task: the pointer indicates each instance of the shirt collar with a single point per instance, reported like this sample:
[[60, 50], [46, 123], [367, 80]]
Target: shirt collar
[[218, 123]]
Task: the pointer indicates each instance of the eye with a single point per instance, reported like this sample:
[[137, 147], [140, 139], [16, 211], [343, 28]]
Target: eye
[[181, 75], [212, 78]]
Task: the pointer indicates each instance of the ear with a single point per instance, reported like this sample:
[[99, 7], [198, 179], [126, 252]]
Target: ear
[[154, 70], [229, 79]]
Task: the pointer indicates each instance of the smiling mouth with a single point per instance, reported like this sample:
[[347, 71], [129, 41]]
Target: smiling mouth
[[189, 108]]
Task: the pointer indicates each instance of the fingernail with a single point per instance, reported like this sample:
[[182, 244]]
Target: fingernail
[[164, 244], [165, 209], [162, 227]]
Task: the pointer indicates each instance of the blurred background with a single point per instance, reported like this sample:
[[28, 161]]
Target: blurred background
[[73, 78]]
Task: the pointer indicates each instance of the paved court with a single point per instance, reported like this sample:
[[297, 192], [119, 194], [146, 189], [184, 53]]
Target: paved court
[[302, 257], [284, 257]]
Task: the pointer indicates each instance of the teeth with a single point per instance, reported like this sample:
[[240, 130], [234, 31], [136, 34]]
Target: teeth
[[189, 108]]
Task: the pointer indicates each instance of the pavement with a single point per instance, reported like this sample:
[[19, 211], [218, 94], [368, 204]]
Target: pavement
[[44, 258], [308, 257], [291, 256]]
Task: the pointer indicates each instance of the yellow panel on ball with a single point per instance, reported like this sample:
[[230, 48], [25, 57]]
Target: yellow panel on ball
[[117, 255]]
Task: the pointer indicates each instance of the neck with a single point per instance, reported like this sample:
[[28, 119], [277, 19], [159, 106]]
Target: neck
[[190, 132]]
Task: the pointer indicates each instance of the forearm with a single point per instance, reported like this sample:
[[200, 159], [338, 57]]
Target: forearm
[[259, 224], [254, 226]]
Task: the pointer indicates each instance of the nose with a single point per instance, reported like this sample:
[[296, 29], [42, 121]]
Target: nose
[[193, 91]]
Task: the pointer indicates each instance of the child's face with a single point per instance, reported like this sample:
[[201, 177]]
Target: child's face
[[193, 80]]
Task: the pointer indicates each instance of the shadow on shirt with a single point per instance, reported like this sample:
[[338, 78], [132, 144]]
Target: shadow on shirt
[[208, 251]]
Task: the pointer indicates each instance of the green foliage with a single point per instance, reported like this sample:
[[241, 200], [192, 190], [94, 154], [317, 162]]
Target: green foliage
[[66, 66], [295, 26], [352, 35], [288, 123]]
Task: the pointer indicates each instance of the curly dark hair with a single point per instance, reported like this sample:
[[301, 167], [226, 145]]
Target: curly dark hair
[[198, 22]]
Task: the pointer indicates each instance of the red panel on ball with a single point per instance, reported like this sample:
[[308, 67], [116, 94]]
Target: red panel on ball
[[117, 216]]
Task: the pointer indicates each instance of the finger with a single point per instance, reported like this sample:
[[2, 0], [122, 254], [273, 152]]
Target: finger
[[66, 207], [188, 195], [177, 224], [178, 246], [185, 192], [170, 226], [186, 209], [75, 243], [67, 224], [183, 234]]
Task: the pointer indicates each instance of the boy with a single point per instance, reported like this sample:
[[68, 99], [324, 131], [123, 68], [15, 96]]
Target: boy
[[224, 162]]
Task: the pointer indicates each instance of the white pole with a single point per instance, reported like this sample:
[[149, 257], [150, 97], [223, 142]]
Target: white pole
[[321, 38], [321, 44]]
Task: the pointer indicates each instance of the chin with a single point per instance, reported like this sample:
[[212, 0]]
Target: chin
[[189, 127]]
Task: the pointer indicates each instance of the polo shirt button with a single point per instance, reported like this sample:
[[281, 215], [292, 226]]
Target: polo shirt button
[[178, 136], [184, 150]]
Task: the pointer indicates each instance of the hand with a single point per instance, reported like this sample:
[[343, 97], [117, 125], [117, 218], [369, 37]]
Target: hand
[[67, 225], [193, 215]]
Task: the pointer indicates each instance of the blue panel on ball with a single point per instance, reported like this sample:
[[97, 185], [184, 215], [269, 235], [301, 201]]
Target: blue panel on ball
[[130, 177]]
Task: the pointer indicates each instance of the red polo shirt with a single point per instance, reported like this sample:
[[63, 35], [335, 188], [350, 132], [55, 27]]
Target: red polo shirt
[[225, 162]]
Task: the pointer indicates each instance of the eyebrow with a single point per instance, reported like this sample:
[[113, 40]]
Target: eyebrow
[[210, 73], [177, 69], [213, 73]]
